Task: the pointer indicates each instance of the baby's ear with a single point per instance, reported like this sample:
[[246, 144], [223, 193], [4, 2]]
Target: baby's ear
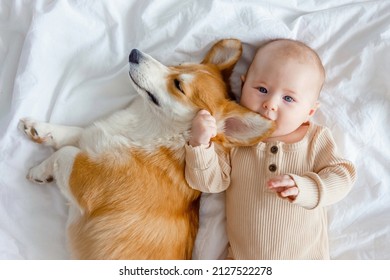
[[313, 110], [238, 126], [315, 107]]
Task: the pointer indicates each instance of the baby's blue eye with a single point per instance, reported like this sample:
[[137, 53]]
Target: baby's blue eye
[[263, 90], [288, 99]]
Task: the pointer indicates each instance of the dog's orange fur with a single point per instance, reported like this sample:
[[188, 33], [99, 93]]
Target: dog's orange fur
[[148, 190], [137, 204]]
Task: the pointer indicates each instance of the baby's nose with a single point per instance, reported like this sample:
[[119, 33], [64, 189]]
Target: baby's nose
[[269, 105]]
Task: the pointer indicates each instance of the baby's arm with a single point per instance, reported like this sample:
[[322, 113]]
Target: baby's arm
[[207, 168], [330, 180]]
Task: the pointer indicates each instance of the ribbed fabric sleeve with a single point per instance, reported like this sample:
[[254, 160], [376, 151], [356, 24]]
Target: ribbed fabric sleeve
[[206, 170], [260, 224], [332, 176]]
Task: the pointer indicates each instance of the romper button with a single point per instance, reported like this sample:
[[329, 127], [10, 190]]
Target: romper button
[[272, 168], [274, 149]]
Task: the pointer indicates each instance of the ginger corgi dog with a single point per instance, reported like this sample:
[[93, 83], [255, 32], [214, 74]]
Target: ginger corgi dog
[[124, 175]]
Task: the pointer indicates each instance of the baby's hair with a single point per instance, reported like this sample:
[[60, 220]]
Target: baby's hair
[[299, 50]]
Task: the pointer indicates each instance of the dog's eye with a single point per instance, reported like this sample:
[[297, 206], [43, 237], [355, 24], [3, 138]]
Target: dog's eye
[[178, 86]]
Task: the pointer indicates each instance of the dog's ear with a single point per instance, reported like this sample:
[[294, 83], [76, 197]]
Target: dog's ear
[[238, 126], [224, 54]]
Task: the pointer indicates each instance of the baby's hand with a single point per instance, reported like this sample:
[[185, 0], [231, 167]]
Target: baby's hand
[[204, 127], [284, 186]]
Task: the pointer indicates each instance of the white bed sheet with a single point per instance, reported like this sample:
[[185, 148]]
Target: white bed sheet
[[66, 62]]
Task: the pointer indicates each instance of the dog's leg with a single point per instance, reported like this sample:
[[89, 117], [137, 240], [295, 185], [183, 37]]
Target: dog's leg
[[59, 167], [56, 136], [56, 167], [59, 162]]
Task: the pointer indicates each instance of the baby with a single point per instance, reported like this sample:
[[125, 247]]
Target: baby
[[276, 191]]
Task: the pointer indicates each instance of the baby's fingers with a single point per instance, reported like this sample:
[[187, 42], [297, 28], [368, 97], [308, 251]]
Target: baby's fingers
[[289, 192], [281, 181], [203, 112]]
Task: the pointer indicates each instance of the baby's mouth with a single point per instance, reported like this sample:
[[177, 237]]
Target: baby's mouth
[[267, 116]]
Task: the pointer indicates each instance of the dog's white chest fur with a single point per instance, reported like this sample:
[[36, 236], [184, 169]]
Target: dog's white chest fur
[[136, 126]]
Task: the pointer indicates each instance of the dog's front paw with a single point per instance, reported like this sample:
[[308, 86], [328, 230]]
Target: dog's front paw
[[39, 175], [36, 131]]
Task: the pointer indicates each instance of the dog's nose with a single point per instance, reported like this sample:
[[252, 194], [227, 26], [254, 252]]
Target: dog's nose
[[134, 56]]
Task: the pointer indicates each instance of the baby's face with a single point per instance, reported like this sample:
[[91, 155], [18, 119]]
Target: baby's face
[[282, 89]]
